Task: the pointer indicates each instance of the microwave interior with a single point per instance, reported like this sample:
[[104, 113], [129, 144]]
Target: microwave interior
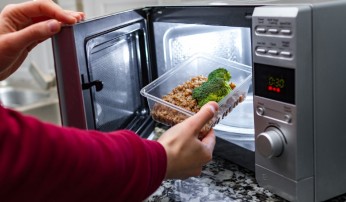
[[117, 55]]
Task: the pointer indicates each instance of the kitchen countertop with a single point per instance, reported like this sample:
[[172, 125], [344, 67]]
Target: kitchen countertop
[[220, 181]]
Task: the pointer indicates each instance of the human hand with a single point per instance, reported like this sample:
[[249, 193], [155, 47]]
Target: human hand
[[186, 153], [24, 25]]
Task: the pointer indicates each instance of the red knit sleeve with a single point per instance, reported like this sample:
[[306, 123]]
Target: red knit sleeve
[[44, 162]]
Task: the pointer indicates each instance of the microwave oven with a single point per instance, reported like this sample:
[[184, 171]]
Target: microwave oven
[[290, 128]]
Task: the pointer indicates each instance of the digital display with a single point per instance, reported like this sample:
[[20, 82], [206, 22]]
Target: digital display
[[274, 82]]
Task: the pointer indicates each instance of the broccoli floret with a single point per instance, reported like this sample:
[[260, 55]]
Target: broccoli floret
[[220, 73], [212, 90]]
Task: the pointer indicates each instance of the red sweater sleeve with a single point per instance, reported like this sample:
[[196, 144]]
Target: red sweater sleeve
[[44, 162]]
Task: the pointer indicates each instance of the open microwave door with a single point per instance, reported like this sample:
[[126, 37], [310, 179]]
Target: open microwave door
[[101, 65]]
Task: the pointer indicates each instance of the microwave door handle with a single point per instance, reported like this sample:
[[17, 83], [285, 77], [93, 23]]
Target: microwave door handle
[[97, 83]]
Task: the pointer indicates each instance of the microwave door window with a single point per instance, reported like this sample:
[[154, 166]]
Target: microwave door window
[[113, 60]]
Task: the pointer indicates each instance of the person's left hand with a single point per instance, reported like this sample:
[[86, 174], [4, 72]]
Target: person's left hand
[[24, 25]]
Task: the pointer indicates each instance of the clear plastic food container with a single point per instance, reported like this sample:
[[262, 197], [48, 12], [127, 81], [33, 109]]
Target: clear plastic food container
[[171, 114]]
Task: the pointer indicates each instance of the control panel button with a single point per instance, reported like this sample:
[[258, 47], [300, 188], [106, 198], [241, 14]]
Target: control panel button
[[286, 53], [273, 30], [273, 52], [260, 110], [288, 118], [270, 143], [286, 31], [261, 50], [261, 30]]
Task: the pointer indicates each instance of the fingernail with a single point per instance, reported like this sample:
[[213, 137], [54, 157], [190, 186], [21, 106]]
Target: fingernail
[[71, 18], [212, 108], [75, 15], [53, 26]]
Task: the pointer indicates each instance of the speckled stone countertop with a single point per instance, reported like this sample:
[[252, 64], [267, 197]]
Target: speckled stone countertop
[[220, 181]]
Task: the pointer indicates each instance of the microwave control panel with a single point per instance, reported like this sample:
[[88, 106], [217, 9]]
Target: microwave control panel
[[274, 33], [281, 89], [274, 52]]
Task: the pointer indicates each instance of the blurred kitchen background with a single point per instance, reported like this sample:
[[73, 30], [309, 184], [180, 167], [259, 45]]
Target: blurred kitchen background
[[32, 88]]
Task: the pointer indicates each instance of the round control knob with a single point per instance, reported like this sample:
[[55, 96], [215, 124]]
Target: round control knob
[[270, 143]]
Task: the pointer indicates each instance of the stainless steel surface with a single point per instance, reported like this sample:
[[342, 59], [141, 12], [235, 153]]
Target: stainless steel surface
[[177, 42], [312, 125], [15, 97], [42, 104], [292, 172]]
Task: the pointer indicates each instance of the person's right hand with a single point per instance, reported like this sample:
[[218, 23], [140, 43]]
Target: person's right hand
[[186, 153]]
